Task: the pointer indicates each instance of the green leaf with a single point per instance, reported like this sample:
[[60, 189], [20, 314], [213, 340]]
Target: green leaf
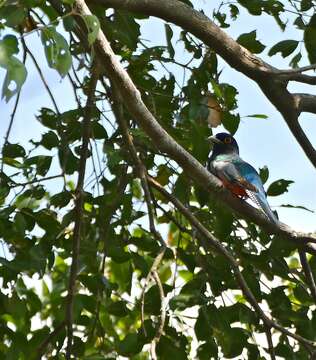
[[8, 47], [202, 328], [232, 341], [118, 308], [13, 150], [295, 60], [171, 349], [234, 11], [56, 50], [99, 131], [12, 14], [306, 5], [42, 163], [250, 42], [253, 6], [130, 345], [93, 26], [279, 187], [258, 116], [61, 199], [296, 207], [169, 34], [208, 350], [310, 39], [264, 174], [16, 71], [49, 140], [123, 29], [285, 47], [231, 122]]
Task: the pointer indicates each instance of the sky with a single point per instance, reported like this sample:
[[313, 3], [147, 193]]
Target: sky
[[261, 141]]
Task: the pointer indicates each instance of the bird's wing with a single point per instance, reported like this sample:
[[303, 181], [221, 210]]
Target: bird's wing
[[247, 172], [227, 170]]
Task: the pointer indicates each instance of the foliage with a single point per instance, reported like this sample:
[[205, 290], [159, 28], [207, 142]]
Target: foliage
[[206, 310]]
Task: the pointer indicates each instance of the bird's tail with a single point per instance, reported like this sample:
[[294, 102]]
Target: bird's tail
[[263, 204]]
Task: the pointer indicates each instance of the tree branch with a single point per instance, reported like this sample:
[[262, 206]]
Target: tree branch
[[166, 144], [28, 51], [272, 81], [211, 243], [141, 172], [308, 274], [42, 347], [305, 102], [79, 208], [270, 343]]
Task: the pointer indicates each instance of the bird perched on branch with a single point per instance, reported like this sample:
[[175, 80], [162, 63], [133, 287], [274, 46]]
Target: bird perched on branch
[[237, 175]]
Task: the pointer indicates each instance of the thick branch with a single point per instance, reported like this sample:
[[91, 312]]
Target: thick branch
[[199, 25], [166, 144], [305, 102], [79, 210], [272, 81]]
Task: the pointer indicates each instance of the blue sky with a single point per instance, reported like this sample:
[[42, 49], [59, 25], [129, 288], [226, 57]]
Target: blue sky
[[262, 141]]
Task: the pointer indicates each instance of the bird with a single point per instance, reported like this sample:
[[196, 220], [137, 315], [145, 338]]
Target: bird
[[239, 177]]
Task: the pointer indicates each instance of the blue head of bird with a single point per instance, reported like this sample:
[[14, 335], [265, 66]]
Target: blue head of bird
[[223, 143]]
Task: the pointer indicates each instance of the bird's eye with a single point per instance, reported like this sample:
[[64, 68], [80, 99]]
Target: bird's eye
[[227, 140]]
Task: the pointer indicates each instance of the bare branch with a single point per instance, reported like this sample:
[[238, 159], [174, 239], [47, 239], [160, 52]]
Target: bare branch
[[34, 181], [305, 102], [79, 209], [28, 51], [302, 78], [297, 70]]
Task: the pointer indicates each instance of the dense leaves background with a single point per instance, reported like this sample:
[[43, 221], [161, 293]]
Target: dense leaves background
[[207, 315]]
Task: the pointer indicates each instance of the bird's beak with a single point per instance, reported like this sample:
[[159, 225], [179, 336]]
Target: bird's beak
[[214, 140]]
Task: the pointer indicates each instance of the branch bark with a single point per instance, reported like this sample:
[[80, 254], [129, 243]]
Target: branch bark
[[79, 209]]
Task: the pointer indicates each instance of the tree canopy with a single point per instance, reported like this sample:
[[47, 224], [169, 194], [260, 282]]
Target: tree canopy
[[116, 241]]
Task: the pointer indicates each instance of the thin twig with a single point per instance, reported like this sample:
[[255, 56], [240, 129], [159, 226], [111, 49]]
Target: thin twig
[[159, 331], [267, 330], [308, 274], [42, 347], [79, 208], [153, 269], [28, 51], [295, 71], [15, 184]]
